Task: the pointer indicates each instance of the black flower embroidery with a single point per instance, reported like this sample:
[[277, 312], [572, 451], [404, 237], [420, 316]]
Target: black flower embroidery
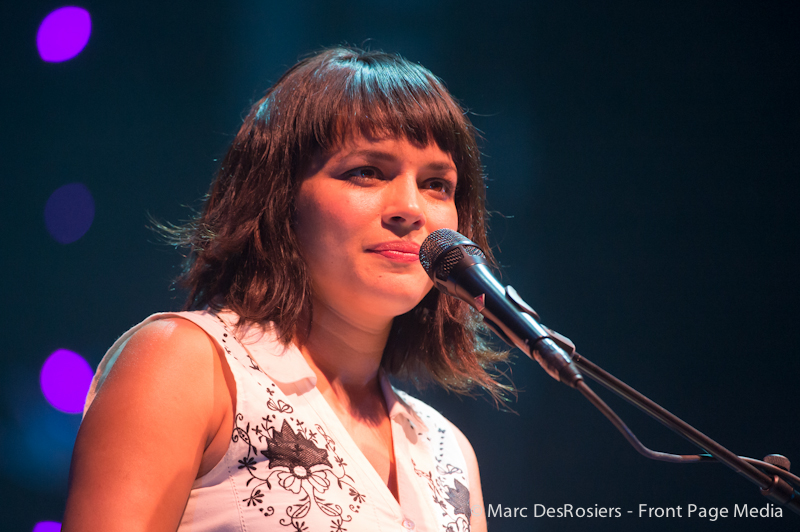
[[458, 498], [249, 463], [300, 465], [357, 497], [257, 497], [293, 455], [305, 461], [453, 501]]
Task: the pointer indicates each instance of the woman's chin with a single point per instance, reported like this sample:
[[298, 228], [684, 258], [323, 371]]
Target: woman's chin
[[393, 304]]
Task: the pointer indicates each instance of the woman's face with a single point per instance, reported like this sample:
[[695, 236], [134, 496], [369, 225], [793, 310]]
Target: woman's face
[[362, 213]]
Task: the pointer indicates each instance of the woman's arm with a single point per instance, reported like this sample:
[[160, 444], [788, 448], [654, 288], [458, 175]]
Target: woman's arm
[[140, 447], [478, 518]]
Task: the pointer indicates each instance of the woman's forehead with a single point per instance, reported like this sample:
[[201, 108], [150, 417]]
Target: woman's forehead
[[387, 148]]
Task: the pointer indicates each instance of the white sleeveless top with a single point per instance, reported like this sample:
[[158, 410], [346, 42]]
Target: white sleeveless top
[[291, 465]]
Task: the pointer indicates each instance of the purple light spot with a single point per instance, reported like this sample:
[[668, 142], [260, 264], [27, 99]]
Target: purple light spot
[[47, 526], [69, 213], [63, 34], [65, 379]]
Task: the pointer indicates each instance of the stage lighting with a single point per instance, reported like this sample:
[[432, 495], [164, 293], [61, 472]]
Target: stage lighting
[[47, 526], [69, 212], [65, 380], [63, 34]]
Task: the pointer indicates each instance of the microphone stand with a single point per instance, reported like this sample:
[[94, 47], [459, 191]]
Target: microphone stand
[[773, 486], [458, 267]]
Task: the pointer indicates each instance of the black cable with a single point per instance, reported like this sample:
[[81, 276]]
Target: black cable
[[631, 437], [668, 457]]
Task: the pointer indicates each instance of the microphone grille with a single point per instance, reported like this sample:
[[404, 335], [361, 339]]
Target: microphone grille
[[445, 241], [447, 262]]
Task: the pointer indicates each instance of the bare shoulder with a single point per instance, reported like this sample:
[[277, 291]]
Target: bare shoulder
[[172, 351], [165, 342], [166, 360], [142, 441]]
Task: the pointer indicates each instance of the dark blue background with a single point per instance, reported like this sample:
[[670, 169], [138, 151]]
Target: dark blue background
[[643, 161]]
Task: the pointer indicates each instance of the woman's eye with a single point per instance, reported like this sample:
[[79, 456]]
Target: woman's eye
[[440, 185], [363, 173]]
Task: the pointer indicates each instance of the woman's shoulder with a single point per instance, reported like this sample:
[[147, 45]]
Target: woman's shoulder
[[170, 328], [170, 340], [161, 337], [146, 434], [174, 326], [163, 349]]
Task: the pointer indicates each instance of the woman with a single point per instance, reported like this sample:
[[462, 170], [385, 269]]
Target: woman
[[268, 406]]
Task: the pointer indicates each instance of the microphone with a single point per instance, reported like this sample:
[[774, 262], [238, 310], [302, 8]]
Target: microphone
[[458, 267]]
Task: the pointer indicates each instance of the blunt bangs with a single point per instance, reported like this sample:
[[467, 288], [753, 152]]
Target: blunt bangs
[[381, 98], [322, 101]]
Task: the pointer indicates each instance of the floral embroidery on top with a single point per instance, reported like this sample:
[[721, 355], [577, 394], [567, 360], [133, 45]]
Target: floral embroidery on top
[[284, 460], [297, 459], [457, 497], [452, 499], [304, 460], [301, 464]]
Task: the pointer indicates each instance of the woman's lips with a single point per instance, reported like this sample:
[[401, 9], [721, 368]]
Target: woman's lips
[[400, 251]]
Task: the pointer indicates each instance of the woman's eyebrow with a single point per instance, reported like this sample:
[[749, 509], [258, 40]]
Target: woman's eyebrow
[[441, 166], [373, 154], [391, 157]]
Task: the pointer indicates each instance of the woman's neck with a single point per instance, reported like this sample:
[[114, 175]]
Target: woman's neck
[[346, 353]]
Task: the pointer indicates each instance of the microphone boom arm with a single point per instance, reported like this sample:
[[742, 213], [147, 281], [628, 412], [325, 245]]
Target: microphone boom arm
[[459, 268], [773, 487]]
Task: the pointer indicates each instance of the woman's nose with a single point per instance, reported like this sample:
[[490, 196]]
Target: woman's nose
[[404, 204]]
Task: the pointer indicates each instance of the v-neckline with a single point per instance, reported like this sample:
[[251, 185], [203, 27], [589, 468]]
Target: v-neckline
[[317, 402]]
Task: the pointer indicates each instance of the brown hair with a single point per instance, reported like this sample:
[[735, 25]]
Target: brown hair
[[244, 253]]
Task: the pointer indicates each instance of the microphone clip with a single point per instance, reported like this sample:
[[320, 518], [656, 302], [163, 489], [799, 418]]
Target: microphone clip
[[563, 342]]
